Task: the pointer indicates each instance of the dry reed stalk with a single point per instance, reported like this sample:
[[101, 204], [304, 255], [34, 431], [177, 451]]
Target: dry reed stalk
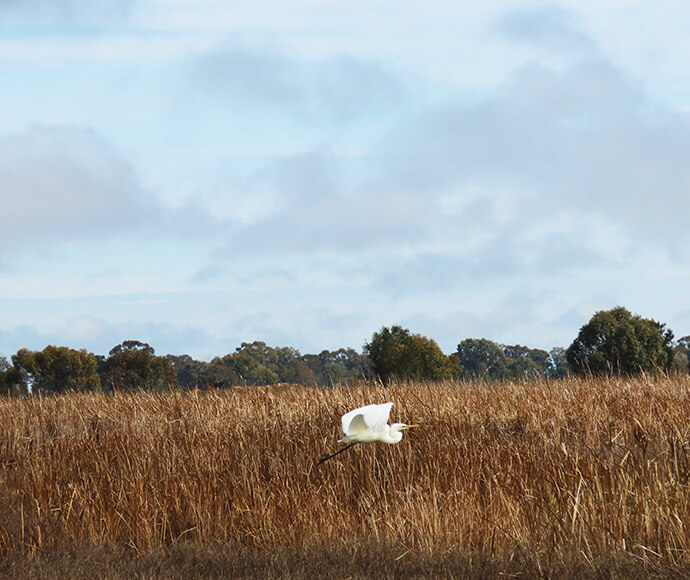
[[590, 466]]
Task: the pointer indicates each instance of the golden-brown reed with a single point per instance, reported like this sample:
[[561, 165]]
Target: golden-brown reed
[[587, 466]]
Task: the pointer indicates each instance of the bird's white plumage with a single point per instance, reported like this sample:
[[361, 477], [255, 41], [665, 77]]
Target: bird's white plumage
[[369, 424], [370, 417]]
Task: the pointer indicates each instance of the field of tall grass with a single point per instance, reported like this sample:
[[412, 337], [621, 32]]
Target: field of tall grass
[[565, 478]]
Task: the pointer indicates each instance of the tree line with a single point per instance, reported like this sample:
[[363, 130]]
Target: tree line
[[613, 342]]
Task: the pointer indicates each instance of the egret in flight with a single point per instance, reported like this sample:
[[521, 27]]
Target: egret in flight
[[368, 424]]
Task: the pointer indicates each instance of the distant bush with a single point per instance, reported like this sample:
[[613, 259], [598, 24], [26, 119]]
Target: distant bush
[[398, 354], [616, 342], [133, 366], [55, 369]]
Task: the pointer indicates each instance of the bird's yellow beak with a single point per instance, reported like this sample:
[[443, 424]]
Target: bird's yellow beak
[[411, 426]]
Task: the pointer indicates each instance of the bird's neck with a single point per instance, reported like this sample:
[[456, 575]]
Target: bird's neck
[[392, 435]]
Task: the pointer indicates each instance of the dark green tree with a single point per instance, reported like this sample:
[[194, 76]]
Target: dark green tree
[[558, 366], [256, 363], [387, 351], [396, 353], [219, 375], [4, 367], [11, 382], [482, 359], [341, 366], [616, 342], [56, 369], [132, 346], [525, 363], [133, 366], [187, 371], [253, 363], [681, 354]]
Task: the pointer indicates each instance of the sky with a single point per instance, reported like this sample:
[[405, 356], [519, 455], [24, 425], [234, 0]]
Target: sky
[[195, 174]]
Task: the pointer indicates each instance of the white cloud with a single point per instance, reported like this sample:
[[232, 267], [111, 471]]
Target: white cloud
[[549, 28], [584, 139], [209, 172], [339, 88], [99, 336], [557, 174], [84, 329], [580, 155], [66, 182]]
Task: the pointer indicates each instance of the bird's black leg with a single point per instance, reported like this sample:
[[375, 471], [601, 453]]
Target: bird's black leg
[[327, 457]]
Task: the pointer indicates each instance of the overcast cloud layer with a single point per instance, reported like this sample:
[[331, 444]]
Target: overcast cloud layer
[[198, 174]]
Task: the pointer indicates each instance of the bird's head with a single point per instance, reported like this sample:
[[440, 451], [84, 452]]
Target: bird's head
[[402, 426]]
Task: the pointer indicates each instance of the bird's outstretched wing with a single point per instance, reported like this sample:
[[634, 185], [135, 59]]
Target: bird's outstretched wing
[[371, 417]]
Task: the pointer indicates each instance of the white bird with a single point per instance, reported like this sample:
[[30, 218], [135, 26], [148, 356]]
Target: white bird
[[369, 424]]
